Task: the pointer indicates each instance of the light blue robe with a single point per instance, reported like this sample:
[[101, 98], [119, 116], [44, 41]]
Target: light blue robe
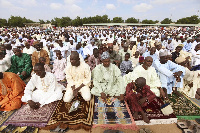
[[165, 72]]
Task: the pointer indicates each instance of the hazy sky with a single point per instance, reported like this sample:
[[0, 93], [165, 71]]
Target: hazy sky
[[140, 9]]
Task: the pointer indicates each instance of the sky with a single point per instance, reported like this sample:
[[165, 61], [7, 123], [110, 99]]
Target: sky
[[139, 9]]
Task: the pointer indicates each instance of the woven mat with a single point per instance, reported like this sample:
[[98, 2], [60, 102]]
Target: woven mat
[[25, 116], [82, 118], [113, 114]]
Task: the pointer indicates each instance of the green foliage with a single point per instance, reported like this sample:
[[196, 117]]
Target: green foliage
[[117, 20], [67, 21], [3, 22], [166, 21], [189, 20], [149, 21], [18, 21], [41, 21], [132, 20]]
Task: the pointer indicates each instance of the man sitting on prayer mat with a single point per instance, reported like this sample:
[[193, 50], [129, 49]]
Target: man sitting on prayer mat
[[42, 88], [170, 73], [5, 62], [107, 79], [149, 73], [139, 95], [11, 91], [20, 64], [78, 76], [191, 78], [39, 53]]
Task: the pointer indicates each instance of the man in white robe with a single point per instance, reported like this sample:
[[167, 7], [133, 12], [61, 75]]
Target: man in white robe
[[170, 73], [42, 88], [190, 80], [149, 73], [78, 76], [5, 62]]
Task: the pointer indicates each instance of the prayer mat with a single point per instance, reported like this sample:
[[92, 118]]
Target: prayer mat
[[155, 114], [26, 116], [113, 114], [184, 108], [4, 115], [82, 118]]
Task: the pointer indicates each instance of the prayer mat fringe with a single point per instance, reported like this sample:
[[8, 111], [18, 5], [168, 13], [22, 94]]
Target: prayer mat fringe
[[157, 121], [117, 126], [191, 100], [64, 126]]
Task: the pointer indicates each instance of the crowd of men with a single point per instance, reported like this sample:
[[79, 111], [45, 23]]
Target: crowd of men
[[136, 65]]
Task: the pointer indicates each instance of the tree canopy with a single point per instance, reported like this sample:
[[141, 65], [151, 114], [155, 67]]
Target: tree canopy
[[132, 20], [78, 21], [189, 20], [166, 21]]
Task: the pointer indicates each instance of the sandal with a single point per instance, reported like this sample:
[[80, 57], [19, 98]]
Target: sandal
[[141, 131], [148, 130]]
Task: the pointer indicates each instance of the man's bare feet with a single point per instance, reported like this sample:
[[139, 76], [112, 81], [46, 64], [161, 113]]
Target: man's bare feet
[[145, 118], [135, 115]]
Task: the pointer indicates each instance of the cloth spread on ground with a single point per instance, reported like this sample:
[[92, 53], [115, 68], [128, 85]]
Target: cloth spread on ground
[[184, 108], [155, 114], [82, 118], [5, 115], [113, 115], [26, 116]]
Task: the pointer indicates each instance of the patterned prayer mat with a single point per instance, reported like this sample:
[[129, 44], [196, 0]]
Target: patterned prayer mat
[[184, 108], [113, 114], [26, 116], [82, 118], [155, 114], [5, 115]]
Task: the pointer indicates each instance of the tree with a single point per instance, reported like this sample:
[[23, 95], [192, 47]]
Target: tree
[[189, 20], [166, 21], [77, 21], [47, 22], [3, 22], [41, 21], [148, 21], [18, 21], [118, 20], [132, 20]]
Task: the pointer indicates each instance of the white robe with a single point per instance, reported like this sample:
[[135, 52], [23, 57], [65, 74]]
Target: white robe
[[5, 63], [150, 75], [48, 90]]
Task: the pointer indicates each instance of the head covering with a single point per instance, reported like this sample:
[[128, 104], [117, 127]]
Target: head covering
[[182, 45], [126, 45], [163, 52], [170, 39], [105, 55], [179, 59], [189, 38]]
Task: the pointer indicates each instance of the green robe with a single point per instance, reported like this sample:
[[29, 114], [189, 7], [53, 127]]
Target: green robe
[[20, 64], [107, 80]]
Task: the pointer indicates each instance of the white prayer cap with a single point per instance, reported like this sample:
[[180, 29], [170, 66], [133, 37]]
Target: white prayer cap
[[179, 59], [110, 41], [105, 55], [189, 38], [163, 52], [70, 39]]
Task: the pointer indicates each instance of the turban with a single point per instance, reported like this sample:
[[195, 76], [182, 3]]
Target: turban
[[180, 59], [163, 52], [105, 55]]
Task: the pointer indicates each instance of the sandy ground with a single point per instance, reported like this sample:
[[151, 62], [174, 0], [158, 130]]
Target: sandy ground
[[162, 128]]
